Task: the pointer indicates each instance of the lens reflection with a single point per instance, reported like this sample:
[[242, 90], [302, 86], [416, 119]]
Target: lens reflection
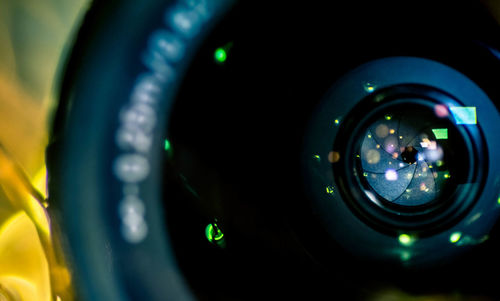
[[405, 156]]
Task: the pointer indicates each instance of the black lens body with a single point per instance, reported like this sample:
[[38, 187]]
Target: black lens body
[[200, 150]]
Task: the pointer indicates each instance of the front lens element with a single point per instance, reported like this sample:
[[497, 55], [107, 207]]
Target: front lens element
[[409, 159]]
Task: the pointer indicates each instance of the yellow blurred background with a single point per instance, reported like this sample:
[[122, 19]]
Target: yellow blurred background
[[35, 36]]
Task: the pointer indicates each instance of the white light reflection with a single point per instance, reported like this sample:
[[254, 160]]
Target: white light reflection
[[420, 157], [371, 196], [433, 155], [426, 143], [391, 175]]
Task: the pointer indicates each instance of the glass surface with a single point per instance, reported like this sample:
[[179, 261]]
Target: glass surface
[[412, 157]]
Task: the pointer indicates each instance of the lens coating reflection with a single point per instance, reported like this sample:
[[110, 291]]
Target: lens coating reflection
[[407, 159]]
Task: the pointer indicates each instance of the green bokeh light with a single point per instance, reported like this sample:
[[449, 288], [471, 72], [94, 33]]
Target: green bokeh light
[[213, 233], [405, 256], [440, 133], [220, 55], [167, 145], [406, 239]]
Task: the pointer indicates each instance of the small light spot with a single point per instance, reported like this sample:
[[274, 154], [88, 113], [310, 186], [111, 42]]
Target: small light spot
[[213, 233], [391, 175], [392, 131], [405, 256], [329, 189], [220, 55], [406, 239], [455, 237], [333, 157], [369, 87], [337, 122], [167, 145], [388, 117], [440, 110], [447, 175], [317, 158]]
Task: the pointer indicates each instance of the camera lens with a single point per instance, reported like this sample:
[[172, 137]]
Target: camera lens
[[289, 142], [404, 157], [406, 160]]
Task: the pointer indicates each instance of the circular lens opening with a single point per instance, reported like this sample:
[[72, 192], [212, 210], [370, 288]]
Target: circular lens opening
[[410, 157], [409, 164]]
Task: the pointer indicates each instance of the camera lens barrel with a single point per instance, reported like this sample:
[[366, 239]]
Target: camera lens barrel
[[396, 163], [115, 99]]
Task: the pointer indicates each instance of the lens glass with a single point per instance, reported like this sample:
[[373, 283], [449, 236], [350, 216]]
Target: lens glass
[[410, 156]]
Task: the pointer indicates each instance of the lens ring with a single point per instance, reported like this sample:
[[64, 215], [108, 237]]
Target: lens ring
[[114, 107]]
